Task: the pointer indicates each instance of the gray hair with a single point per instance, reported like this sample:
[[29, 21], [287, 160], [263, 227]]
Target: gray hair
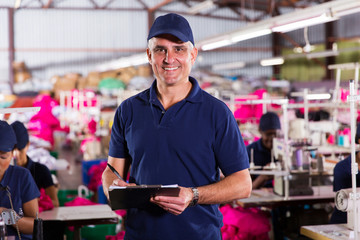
[[151, 42]]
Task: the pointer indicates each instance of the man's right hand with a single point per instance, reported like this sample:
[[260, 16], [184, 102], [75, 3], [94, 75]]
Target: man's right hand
[[121, 183]]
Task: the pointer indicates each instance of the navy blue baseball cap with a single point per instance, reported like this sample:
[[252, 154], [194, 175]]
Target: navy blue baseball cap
[[22, 135], [269, 121], [172, 24], [7, 137]]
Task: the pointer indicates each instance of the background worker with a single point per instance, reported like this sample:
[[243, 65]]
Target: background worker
[[40, 172], [268, 127], [19, 182], [343, 180], [176, 133]]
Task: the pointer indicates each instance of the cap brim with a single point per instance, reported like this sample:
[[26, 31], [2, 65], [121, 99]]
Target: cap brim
[[173, 32], [6, 148]]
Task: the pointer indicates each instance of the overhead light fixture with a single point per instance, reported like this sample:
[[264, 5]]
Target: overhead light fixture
[[134, 60], [19, 110], [345, 9], [306, 22], [311, 96], [323, 54], [205, 5], [237, 37], [17, 4], [248, 32], [318, 96], [228, 66], [272, 61], [216, 44], [297, 19]]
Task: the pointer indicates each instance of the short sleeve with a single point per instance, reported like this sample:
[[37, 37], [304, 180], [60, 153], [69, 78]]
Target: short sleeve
[[29, 190], [118, 146]]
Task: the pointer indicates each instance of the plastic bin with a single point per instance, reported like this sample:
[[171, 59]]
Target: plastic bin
[[93, 232], [86, 165], [69, 195], [101, 195]]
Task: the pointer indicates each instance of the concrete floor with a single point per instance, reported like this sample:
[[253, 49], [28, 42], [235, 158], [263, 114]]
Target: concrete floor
[[70, 178]]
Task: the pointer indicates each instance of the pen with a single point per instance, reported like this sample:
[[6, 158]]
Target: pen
[[114, 171]]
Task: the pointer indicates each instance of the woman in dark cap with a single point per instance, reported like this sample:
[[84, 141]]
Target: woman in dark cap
[[18, 191], [40, 172], [268, 128]]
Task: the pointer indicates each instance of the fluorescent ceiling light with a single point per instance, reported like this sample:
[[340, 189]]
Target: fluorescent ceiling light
[[272, 61], [323, 18], [19, 110], [344, 66], [297, 19], [347, 12], [134, 60], [227, 66], [323, 54], [318, 96], [17, 4], [229, 39], [205, 5], [237, 37], [216, 44]]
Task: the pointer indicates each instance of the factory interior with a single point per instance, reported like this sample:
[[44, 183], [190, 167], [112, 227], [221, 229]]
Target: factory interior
[[66, 66]]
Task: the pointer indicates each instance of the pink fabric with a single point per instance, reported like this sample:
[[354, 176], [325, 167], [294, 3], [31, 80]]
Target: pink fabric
[[92, 126], [45, 202], [343, 94], [43, 123], [88, 102], [244, 112], [121, 212], [347, 132], [119, 236], [79, 201], [86, 140], [95, 173], [244, 224], [331, 139]]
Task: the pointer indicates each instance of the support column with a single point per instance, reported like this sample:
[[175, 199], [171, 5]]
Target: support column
[[11, 48], [329, 40]]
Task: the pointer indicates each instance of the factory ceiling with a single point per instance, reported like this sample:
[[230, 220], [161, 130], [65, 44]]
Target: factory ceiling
[[207, 8]]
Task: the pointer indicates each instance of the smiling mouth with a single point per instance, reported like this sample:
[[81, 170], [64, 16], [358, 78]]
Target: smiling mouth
[[170, 69]]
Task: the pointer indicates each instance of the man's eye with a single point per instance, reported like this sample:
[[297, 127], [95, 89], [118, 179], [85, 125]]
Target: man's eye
[[159, 50]]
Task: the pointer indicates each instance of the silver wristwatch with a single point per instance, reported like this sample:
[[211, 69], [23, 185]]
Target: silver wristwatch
[[195, 199], [10, 217]]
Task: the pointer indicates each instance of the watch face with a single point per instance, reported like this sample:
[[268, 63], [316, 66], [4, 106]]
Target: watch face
[[341, 200]]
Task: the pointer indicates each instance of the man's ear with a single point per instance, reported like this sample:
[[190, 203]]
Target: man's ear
[[148, 55]]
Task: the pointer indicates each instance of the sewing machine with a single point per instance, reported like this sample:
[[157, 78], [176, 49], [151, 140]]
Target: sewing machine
[[344, 202], [294, 160]]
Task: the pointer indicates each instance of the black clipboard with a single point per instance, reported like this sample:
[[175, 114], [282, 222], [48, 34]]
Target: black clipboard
[[138, 196]]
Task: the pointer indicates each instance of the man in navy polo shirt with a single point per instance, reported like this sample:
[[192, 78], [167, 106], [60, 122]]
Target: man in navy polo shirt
[[176, 133], [268, 127]]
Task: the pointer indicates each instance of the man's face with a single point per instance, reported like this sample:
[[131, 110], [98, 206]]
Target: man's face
[[267, 137], [171, 59], [5, 159]]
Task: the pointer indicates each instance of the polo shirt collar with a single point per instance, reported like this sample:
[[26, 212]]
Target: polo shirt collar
[[194, 96], [29, 163]]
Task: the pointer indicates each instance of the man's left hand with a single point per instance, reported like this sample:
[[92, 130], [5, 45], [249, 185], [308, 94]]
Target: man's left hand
[[174, 205]]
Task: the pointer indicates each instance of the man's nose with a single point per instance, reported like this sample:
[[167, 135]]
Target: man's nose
[[170, 56]]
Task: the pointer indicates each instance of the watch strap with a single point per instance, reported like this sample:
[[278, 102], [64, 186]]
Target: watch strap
[[195, 199]]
